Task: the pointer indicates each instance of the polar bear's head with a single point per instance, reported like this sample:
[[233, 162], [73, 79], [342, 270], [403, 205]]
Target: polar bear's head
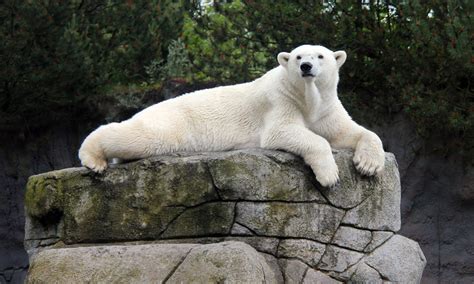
[[313, 62]]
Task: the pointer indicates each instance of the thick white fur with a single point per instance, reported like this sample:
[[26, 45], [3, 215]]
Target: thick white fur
[[280, 110]]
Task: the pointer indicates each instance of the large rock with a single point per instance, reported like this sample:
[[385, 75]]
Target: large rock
[[112, 264], [226, 262], [267, 199], [407, 255]]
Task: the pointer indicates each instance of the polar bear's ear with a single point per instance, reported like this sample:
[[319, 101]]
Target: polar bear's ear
[[283, 58], [340, 57]]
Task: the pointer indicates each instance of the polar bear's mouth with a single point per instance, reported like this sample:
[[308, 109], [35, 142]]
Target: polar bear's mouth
[[308, 75]]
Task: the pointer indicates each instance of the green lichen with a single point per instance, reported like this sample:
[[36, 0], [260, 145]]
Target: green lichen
[[43, 195], [208, 219], [229, 168]]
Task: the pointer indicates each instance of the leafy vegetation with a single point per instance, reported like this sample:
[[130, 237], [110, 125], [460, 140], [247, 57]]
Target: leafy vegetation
[[56, 54], [415, 57]]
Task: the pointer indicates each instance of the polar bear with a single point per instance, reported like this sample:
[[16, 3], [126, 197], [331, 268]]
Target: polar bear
[[293, 107]]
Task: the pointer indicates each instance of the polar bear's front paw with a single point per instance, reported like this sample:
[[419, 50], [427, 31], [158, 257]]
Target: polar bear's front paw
[[327, 172], [369, 161], [95, 164]]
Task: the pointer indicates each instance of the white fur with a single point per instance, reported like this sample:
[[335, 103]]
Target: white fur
[[280, 110]]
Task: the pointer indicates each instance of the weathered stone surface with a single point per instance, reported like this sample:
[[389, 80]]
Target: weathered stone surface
[[107, 264], [345, 275], [381, 210], [293, 270], [208, 219], [272, 262], [407, 255], [355, 188], [266, 245], [249, 175], [378, 238], [338, 259], [170, 196], [126, 203], [305, 220], [240, 230], [352, 238], [305, 250], [227, 262], [313, 276], [261, 244], [268, 200], [365, 274]]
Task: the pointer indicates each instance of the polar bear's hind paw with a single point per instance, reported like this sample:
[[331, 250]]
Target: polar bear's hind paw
[[95, 164]]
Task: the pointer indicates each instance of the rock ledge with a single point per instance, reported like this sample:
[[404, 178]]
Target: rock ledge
[[261, 211]]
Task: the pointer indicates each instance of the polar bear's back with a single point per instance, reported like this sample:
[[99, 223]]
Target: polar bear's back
[[213, 119]]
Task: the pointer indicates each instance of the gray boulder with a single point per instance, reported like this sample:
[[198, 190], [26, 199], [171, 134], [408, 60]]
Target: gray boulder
[[287, 227], [226, 262], [107, 264]]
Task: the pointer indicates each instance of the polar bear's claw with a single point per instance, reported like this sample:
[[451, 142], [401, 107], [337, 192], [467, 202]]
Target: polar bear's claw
[[327, 173], [369, 163], [96, 165], [328, 181]]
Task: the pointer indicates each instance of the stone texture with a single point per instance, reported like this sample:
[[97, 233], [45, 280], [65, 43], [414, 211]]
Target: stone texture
[[354, 188], [306, 220], [207, 219], [266, 245], [345, 275], [352, 238], [272, 262], [107, 264], [261, 244], [338, 259], [238, 229], [407, 255], [366, 274], [293, 270], [249, 175], [305, 250], [227, 262], [380, 211], [378, 238], [265, 206], [313, 276], [132, 202]]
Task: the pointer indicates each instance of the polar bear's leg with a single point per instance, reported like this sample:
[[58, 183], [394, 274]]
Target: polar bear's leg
[[369, 156], [314, 149], [125, 140], [91, 153]]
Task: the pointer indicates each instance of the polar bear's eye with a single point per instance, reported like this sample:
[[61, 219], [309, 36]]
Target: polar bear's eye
[[298, 57], [320, 56]]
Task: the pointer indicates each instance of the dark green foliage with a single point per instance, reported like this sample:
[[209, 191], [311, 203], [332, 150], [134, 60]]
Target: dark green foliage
[[55, 54], [414, 57]]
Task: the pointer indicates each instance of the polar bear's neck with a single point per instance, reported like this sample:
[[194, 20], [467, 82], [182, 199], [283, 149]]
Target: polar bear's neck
[[313, 101], [318, 104]]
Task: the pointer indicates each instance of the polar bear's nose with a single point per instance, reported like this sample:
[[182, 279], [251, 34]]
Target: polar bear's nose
[[306, 66]]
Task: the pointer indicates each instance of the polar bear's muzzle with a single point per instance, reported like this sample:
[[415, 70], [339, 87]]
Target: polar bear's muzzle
[[306, 68]]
